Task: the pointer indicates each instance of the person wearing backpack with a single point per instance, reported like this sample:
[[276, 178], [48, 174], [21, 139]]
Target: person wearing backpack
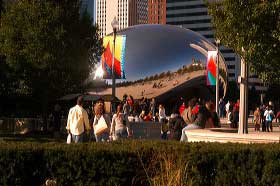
[[268, 114]]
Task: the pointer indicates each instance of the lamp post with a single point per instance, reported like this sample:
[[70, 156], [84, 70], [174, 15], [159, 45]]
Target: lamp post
[[243, 80], [115, 25], [217, 77]]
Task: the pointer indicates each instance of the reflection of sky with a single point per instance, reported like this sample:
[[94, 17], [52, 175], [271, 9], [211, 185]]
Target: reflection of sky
[[153, 49]]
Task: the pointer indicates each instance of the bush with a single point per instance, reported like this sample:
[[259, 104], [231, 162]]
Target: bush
[[139, 163]]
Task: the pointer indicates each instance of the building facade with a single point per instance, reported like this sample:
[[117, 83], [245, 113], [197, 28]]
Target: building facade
[[127, 12], [157, 11], [194, 16]]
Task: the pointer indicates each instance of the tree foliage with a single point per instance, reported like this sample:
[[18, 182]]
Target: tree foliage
[[49, 48], [255, 26]]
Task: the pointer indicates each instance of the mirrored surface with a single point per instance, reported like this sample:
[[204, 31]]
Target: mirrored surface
[[165, 60]]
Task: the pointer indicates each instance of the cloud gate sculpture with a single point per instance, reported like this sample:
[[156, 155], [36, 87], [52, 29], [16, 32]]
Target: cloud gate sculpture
[[166, 62]]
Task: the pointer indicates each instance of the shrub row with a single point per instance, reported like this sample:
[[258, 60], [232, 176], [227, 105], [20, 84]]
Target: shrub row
[[139, 163]]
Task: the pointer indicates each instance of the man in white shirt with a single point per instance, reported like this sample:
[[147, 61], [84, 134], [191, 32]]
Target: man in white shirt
[[77, 121]]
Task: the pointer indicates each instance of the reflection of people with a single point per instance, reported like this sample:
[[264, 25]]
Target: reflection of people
[[77, 121]]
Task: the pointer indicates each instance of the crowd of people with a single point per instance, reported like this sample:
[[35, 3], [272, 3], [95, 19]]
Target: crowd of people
[[196, 114], [101, 126], [262, 115]]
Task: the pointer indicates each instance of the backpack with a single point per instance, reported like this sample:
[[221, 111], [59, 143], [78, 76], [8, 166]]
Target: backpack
[[268, 117]]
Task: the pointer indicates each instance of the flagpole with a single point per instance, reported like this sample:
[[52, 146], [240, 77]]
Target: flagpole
[[217, 78]]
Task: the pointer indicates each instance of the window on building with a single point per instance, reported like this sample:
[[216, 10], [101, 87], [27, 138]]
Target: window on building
[[230, 58], [231, 74], [231, 66]]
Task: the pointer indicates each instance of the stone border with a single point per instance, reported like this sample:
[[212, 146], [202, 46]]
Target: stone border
[[226, 135]]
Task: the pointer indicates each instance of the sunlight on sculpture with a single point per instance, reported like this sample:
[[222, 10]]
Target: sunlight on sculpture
[[98, 73]]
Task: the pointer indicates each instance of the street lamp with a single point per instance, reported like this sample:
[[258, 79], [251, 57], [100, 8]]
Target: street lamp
[[115, 25], [217, 77]]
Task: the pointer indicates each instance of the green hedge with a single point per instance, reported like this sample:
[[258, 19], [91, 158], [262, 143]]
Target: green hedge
[[139, 163]]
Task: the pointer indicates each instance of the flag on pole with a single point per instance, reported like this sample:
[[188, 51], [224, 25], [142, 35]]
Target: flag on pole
[[211, 74], [119, 56]]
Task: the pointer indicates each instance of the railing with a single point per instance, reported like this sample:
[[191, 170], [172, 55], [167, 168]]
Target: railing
[[141, 130], [24, 125], [146, 130]]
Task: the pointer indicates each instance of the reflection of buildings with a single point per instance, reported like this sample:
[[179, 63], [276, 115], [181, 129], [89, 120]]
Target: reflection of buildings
[[165, 62], [128, 13], [194, 16], [88, 5]]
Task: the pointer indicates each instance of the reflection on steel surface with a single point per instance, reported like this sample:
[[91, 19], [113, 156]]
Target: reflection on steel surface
[[164, 58]]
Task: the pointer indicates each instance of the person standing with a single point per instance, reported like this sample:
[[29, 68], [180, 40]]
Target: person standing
[[227, 109], [277, 118], [161, 111], [126, 108], [77, 122], [142, 116], [236, 114], [153, 106], [130, 102], [221, 108], [257, 119], [164, 128], [119, 125], [268, 114], [99, 118]]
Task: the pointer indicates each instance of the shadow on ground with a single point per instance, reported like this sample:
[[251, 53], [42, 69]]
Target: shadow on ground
[[227, 130]]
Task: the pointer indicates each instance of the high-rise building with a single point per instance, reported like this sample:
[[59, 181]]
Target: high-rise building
[[157, 11], [89, 6], [127, 12], [193, 14]]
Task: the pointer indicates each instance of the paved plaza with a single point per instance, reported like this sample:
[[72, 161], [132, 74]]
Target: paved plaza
[[226, 134]]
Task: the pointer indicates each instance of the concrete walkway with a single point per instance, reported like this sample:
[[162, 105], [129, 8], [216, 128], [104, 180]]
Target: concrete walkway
[[227, 134]]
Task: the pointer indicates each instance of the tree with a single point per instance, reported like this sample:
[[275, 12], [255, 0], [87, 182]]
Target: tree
[[255, 26], [49, 48]]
